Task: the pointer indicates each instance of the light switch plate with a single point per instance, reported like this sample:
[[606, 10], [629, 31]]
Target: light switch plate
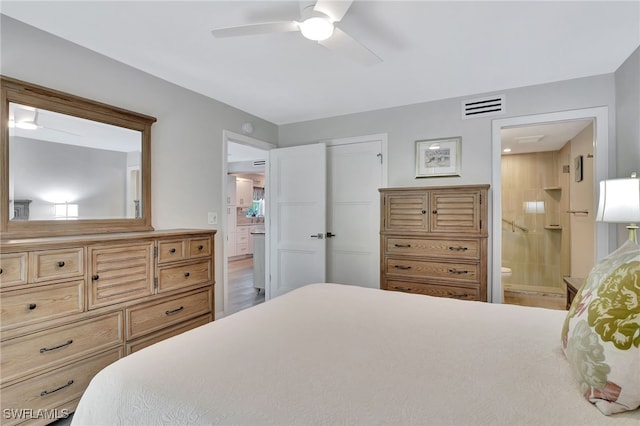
[[212, 218]]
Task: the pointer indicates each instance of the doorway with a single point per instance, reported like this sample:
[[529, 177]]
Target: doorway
[[243, 224], [547, 210], [533, 211]]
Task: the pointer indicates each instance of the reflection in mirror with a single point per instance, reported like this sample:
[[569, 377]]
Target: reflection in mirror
[[63, 167], [71, 165]]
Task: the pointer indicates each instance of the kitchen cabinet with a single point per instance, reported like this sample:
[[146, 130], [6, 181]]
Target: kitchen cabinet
[[231, 231], [244, 192], [239, 191]]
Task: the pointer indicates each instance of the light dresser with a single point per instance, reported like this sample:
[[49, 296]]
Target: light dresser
[[72, 305], [434, 241]]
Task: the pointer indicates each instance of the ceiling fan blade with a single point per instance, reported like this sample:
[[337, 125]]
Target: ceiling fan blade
[[256, 29], [343, 44], [334, 9]]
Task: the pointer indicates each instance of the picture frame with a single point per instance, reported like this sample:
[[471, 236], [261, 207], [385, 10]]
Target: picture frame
[[438, 157]]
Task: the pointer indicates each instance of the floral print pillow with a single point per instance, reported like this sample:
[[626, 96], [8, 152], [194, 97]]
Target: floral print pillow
[[601, 334]]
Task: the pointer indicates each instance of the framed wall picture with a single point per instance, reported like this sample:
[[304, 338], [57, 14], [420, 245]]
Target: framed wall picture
[[438, 157]]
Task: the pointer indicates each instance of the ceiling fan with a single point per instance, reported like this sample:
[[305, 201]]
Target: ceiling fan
[[27, 118], [317, 23]]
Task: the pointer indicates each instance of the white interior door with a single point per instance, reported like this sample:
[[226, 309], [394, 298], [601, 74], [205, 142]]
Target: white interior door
[[297, 209], [354, 175]]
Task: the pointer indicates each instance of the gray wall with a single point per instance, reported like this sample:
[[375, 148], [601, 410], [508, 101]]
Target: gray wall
[[407, 124], [186, 151], [628, 115], [95, 179], [628, 121]]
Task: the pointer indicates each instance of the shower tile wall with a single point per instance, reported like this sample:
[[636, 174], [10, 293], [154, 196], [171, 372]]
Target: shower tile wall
[[535, 196]]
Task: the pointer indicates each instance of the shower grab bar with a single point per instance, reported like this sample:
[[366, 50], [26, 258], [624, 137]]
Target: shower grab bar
[[514, 225]]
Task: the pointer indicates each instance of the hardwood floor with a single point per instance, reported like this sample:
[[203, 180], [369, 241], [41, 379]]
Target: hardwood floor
[[538, 299], [242, 294]]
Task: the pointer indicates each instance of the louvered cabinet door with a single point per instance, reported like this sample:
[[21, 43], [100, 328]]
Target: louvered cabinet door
[[120, 273], [405, 211], [457, 211]]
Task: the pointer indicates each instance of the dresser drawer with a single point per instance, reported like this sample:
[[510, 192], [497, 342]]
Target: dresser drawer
[[174, 277], [429, 269], [22, 307], [56, 264], [150, 317], [172, 250], [143, 342], [448, 248], [13, 269], [199, 247], [42, 350], [433, 290], [120, 273], [53, 389]]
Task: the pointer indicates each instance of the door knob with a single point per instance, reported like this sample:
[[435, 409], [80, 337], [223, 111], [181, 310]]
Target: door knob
[[319, 235]]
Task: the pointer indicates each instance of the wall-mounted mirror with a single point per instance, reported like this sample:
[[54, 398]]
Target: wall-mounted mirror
[[71, 165]]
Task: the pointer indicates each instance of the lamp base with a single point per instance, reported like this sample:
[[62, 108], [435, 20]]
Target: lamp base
[[633, 232]]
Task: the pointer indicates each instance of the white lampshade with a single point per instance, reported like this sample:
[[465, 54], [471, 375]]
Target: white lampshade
[[619, 201]]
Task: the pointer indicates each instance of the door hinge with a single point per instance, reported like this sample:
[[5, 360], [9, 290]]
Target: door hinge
[[155, 251], [155, 283]]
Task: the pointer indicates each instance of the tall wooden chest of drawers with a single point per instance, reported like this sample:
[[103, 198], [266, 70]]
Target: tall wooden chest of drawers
[[433, 241], [69, 306]]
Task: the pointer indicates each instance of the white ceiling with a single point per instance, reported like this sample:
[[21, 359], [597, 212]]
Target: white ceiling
[[431, 50], [541, 137]]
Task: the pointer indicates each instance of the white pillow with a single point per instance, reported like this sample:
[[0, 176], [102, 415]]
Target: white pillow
[[601, 334]]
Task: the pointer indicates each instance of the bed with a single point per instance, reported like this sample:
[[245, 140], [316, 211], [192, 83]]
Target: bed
[[345, 355]]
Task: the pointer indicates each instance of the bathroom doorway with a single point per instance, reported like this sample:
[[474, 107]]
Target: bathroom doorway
[[540, 223], [547, 210]]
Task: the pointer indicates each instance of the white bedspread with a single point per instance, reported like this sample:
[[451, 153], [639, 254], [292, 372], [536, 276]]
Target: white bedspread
[[340, 355]]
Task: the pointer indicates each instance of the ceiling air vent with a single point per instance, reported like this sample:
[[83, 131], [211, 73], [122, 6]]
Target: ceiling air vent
[[483, 107], [259, 163]]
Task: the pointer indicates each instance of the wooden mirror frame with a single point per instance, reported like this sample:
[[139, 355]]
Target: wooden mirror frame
[[20, 92]]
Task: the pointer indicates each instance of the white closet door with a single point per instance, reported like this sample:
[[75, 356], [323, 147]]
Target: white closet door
[[354, 176]]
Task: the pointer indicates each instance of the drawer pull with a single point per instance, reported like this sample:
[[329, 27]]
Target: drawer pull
[[402, 267], [43, 350], [405, 289], [61, 264], [32, 306], [459, 248], [45, 393], [200, 247], [459, 296], [186, 274], [95, 277], [403, 245], [172, 251], [455, 271], [175, 311]]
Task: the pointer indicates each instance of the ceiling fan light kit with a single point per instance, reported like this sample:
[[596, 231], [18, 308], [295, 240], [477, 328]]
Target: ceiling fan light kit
[[316, 28]]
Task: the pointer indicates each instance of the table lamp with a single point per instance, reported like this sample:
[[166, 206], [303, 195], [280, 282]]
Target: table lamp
[[620, 203]]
